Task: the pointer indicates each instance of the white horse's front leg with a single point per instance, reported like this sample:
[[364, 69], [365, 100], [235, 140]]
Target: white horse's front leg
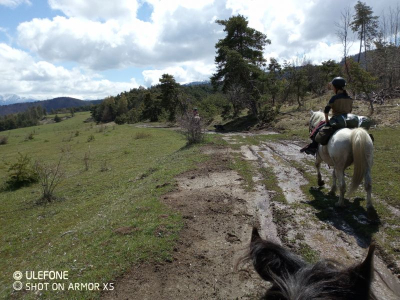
[[332, 192], [340, 176]]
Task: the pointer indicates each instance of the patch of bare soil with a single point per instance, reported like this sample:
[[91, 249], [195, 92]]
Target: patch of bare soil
[[218, 215]]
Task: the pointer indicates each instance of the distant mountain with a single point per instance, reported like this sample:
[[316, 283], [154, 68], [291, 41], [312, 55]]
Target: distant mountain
[[12, 98], [205, 82], [56, 103]]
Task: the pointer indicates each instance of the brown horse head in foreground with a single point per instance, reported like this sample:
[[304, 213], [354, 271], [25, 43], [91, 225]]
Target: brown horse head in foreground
[[293, 278]]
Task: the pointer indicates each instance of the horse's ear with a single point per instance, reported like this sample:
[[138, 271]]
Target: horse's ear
[[271, 260], [362, 275], [311, 112]]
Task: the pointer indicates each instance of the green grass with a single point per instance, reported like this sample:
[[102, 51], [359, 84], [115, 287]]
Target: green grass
[[76, 232], [245, 169], [386, 170]]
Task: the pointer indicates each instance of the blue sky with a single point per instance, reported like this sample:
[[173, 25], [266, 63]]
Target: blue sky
[[91, 49]]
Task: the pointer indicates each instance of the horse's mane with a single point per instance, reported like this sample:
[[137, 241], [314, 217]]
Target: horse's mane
[[316, 117], [293, 278]]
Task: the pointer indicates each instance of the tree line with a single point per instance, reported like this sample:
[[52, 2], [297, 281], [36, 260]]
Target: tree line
[[30, 117]]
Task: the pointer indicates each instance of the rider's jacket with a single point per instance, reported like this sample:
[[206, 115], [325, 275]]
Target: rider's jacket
[[341, 104]]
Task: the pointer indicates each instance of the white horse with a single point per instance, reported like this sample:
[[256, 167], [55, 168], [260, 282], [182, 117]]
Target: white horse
[[346, 147]]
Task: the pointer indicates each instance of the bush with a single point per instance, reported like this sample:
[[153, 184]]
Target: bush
[[21, 173], [57, 119], [49, 176], [29, 136], [192, 127], [90, 138], [3, 140], [267, 113], [122, 119]]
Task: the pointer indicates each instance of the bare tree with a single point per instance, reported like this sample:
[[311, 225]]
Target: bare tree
[[386, 57], [344, 33]]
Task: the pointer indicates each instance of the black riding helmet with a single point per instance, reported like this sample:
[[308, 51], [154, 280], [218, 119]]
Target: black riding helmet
[[338, 82]]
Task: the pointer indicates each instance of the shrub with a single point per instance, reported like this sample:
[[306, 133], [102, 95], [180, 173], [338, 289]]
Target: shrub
[[90, 138], [57, 119], [49, 176], [122, 119], [29, 136], [3, 140], [267, 113], [21, 173], [192, 127]]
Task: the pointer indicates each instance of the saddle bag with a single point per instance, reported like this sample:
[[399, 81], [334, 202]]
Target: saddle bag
[[364, 122], [344, 121], [324, 135]]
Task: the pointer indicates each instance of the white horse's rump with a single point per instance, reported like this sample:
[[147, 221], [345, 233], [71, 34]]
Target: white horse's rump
[[346, 146]]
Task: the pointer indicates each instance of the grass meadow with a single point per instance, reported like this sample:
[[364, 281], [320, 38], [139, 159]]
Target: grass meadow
[[106, 215]]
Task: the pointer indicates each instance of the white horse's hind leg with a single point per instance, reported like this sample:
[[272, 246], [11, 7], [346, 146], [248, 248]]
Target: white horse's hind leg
[[332, 192], [368, 188], [342, 184], [318, 166]]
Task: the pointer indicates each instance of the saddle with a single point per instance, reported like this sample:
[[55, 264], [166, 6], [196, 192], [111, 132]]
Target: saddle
[[338, 122]]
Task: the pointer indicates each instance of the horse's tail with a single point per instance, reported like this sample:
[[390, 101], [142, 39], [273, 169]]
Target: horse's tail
[[362, 148]]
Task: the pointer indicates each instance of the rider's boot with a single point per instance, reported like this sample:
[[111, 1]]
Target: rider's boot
[[310, 149]]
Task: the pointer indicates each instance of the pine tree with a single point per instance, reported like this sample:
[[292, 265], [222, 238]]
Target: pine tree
[[239, 58], [169, 95], [366, 25], [273, 79]]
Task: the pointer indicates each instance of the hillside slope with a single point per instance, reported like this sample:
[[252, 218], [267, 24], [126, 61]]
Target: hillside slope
[[56, 103]]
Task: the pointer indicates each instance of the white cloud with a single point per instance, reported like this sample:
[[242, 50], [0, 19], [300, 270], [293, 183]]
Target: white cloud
[[179, 39], [180, 31], [96, 10], [14, 3], [21, 74], [185, 73]]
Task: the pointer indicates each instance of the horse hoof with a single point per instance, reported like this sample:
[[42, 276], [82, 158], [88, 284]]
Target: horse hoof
[[321, 183]]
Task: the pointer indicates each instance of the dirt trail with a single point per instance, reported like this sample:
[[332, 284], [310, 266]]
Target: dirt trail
[[334, 238], [219, 214]]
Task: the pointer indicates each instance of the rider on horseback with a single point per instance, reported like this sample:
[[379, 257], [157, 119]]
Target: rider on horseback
[[340, 104]]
